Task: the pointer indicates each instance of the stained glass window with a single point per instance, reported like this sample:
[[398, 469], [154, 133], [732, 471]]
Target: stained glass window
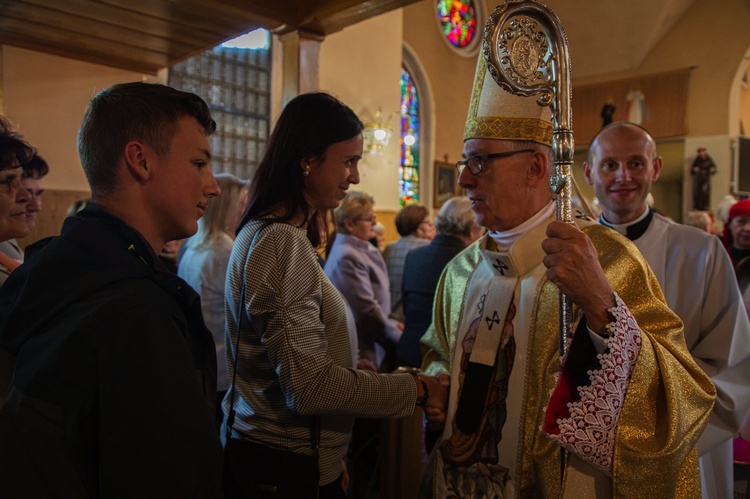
[[235, 81], [457, 20], [410, 130]]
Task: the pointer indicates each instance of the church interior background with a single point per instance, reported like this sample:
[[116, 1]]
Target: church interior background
[[405, 66]]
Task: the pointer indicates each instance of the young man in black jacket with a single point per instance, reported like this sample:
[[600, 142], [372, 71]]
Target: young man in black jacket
[[114, 383]]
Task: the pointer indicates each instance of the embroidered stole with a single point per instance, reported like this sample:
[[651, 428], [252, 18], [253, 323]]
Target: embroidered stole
[[487, 351]]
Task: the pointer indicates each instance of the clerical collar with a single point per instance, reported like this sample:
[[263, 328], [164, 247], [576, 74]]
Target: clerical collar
[[506, 239], [632, 230]]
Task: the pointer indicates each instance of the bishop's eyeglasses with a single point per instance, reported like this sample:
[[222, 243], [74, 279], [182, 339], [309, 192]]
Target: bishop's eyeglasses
[[476, 163]]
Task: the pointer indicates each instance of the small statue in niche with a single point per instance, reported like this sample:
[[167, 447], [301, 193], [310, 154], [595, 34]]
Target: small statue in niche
[[702, 169], [637, 108], [608, 110]]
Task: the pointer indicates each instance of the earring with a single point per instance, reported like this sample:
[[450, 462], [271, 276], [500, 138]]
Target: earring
[[306, 171]]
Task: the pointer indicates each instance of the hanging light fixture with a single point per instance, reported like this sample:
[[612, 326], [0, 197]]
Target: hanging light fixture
[[377, 134]]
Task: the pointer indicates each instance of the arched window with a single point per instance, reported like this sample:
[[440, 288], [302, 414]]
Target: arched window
[[235, 81], [458, 21], [409, 141]]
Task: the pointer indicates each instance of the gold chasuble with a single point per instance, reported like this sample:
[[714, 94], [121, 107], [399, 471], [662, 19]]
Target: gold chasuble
[[632, 417]]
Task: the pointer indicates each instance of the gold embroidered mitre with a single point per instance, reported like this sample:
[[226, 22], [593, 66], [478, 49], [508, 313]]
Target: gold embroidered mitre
[[497, 114]]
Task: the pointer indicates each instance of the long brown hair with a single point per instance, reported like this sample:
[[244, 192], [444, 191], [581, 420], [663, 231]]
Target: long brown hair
[[308, 125]]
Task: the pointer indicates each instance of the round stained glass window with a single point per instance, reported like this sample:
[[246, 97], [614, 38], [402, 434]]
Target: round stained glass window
[[458, 21]]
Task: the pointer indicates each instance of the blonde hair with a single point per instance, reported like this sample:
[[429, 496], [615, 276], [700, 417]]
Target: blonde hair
[[220, 212], [698, 219], [354, 205]]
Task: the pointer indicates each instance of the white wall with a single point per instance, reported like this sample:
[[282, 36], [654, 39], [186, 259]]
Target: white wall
[[46, 97], [361, 66]]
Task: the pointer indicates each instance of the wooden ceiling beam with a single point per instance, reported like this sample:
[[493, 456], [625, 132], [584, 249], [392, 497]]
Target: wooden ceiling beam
[[330, 16], [123, 18], [77, 46], [195, 14], [46, 19], [93, 58], [270, 14], [146, 35]]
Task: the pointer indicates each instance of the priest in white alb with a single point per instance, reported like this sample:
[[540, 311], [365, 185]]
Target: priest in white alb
[[698, 281]]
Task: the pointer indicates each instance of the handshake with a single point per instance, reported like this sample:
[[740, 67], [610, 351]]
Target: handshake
[[432, 395]]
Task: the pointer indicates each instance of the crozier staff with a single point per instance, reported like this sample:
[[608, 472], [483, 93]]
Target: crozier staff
[[494, 332]]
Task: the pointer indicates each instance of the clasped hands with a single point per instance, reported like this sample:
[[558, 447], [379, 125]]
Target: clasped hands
[[437, 400], [436, 405]]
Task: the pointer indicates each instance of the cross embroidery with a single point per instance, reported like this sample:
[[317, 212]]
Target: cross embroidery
[[491, 321], [581, 215], [480, 305], [500, 266]]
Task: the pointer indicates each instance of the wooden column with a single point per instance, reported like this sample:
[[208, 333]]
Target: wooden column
[[2, 83], [300, 63]]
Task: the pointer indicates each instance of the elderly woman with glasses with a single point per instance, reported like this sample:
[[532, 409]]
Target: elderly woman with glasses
[[14, 153], [358, 271]]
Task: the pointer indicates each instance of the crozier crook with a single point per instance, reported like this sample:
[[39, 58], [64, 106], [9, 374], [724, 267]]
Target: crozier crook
[[527, 54]]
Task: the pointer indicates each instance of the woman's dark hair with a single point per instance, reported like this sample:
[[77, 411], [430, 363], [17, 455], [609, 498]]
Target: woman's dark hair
[[308, 125], [409, 218], [35, 168], [14, 150]]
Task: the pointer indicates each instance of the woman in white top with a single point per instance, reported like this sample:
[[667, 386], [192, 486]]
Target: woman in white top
[[204, 265]]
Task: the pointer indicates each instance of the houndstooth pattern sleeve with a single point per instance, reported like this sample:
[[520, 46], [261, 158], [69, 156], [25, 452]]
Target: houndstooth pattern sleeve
[[291, 361]]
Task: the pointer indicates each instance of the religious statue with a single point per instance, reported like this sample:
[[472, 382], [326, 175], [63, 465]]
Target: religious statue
[[637, 105], [608, 110], [703, 168]]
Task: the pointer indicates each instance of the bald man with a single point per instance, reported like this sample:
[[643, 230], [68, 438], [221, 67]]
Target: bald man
[[698, 281]]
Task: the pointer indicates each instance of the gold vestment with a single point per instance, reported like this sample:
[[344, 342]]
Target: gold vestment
[[668, 398]]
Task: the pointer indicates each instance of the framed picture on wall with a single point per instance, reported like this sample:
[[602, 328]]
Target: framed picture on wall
[[446, 182]]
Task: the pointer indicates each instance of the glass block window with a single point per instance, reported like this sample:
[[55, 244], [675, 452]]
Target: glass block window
[[458, 21], [235, 81], [409, 140]]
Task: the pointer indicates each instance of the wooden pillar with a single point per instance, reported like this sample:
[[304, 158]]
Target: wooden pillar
[[2, 83], [300, 63]]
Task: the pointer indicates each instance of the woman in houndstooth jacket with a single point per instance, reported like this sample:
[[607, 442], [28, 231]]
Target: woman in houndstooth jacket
[[295, 354]]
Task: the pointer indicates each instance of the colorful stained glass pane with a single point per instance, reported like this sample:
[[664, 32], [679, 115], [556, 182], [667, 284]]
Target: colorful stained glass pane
[[457, 20], [409, 140]]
